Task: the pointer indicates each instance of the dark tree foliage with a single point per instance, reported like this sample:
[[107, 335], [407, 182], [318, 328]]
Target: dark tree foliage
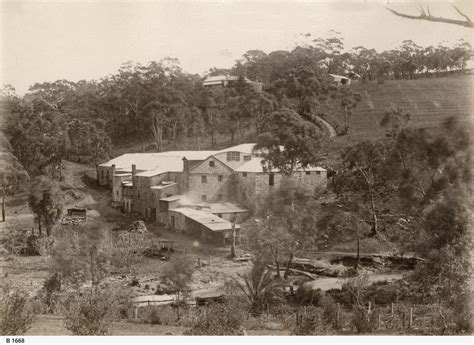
[[290, 142], [45, 201]]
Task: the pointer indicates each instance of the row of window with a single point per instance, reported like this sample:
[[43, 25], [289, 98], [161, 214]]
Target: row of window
[[204, 178], [232, 156]]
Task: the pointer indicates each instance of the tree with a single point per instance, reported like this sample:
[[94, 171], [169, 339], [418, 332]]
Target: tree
[[11, 178], [289, 142], [349, 101], [364, 177], [80, 255], [425, 164], [45, 201], [286, 224], [426, 15], [179, 271]]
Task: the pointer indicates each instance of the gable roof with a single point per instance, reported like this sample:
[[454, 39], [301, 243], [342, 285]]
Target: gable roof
[[206, 160], [245, 148]]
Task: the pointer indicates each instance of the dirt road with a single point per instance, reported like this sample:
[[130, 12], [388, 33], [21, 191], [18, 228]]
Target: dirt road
[[330, 128]]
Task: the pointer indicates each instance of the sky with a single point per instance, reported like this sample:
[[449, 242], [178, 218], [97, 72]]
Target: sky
[[46, 41]]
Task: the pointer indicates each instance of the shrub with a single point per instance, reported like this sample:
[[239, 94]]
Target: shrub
[[362, 320], [307, 324], [49, 294], [331, 313], [357, 288], [218, 319], [16, 315], [152, 315], [90, 313]]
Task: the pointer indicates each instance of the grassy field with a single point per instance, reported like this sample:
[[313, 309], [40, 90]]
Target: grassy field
[[430, 101]]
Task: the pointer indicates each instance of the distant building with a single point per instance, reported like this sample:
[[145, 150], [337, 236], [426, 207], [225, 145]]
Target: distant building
[[340, 80], [226, 80], [197, 192]]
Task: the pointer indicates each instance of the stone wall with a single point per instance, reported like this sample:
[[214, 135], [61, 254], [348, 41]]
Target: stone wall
[[212, 188], [117, 193]]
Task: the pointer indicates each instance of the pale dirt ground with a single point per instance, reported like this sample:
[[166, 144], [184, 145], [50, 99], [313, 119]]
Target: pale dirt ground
[[30, 272]]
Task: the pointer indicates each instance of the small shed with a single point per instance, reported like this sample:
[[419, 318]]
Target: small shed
[[202, 224], [340, 79]]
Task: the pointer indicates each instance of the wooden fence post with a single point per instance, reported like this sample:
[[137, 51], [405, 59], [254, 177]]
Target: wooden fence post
[[368, 310], [136, 313], [410, 321], [392, 309], [378, 322]]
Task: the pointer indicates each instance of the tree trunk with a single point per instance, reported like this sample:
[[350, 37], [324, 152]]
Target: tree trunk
[[60, 170], [232, 248], [97, 173], [3, 206], [374, 215], [177, 306], [288, 264], [358, 255]]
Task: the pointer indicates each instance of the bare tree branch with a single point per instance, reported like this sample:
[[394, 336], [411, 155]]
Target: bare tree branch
[[462, 14], [423, 16]]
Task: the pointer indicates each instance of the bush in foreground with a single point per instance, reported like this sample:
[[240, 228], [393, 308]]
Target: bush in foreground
[[219, 319], [90, 313], [16, 315]]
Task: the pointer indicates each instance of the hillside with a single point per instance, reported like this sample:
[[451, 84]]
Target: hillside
[[430, 101]]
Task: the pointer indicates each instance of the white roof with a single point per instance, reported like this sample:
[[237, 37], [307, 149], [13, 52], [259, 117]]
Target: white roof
[[165, 164], [205, 218], [151, 161], [217, 79], [245, 148], [161, 186], [255, 165], [335, 76]]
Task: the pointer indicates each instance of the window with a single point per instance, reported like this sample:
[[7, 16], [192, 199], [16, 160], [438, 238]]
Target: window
[[318, 172], [247, 158], [219, 178], [271, 180], [233, 156], [204, 197], [308, 173], [244, 174], [212, 164], [219, 197], [204, 179], [168, 195], [219, 215]]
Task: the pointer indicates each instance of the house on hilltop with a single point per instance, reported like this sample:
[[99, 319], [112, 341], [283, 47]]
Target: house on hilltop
[[227, 80], [196, 192]]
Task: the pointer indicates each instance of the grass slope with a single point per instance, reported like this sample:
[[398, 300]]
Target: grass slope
[[430, 101]]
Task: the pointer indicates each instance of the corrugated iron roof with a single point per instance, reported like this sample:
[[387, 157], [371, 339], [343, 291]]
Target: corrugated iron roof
[[206, 219]]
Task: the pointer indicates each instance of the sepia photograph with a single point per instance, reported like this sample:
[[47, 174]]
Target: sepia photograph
[[299, 169]]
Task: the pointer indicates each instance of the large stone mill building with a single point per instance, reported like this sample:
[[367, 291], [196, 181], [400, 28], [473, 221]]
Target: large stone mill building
[[198, 192]]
